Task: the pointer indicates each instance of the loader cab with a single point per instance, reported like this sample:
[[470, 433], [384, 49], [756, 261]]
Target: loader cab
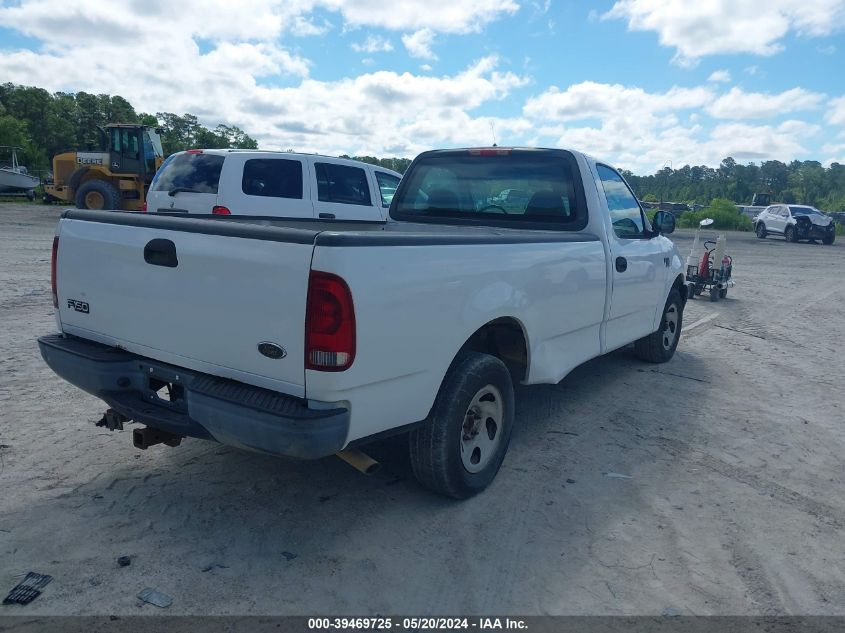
[[134, 149]]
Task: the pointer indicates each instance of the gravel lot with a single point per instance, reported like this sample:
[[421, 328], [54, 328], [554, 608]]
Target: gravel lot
[[732, 501]]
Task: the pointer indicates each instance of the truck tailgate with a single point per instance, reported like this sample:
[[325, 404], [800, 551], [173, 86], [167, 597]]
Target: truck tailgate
[[201, 296]]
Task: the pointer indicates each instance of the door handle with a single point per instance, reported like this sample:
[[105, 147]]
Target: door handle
[[161, 253], [621, 264]]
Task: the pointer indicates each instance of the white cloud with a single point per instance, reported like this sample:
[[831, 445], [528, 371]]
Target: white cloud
[[698, 29], [237, 65], [442, 16], [419, 44], [836, 111], [639, 130], [738, 104], [590, 100], [720, 76], [373, 44]]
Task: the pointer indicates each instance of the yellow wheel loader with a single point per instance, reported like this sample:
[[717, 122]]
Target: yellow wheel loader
[[116, 177]]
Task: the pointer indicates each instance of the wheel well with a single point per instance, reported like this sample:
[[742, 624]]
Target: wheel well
[[76, 178], [679, 285], [505, 339]]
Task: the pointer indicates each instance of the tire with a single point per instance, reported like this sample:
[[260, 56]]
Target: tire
[[828, 239], [760, 230], [443, 447], [654, 348], [723, 293], [714, 294], [790, 234], [97, 194]]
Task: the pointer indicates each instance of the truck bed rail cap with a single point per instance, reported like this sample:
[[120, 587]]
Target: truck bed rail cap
[[191, 225]]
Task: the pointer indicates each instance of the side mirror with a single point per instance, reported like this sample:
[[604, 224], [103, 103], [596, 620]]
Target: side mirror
[[664, 222]]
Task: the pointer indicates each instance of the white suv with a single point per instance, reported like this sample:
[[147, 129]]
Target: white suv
[[795, 222], [252, 182]]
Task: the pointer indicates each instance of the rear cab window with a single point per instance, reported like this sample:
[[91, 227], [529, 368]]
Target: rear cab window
[[190, 172], [499, 187]]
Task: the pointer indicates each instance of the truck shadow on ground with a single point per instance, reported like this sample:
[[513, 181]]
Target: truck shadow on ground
[[210, 511]]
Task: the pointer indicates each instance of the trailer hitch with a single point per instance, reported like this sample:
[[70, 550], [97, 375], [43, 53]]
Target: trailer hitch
[[113, 420], [146, 437]]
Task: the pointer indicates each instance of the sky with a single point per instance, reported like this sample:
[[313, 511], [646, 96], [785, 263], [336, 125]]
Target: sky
[[640, 83]]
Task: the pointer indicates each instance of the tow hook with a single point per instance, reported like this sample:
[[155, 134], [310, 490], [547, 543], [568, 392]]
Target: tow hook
[[359, 461], [146, 437], [113, 420]]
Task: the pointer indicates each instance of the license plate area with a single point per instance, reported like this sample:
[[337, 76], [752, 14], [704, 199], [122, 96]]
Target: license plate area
[[164, 387]]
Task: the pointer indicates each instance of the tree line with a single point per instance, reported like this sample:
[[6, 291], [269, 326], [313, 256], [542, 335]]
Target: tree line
[[44, 124], [796, 182]]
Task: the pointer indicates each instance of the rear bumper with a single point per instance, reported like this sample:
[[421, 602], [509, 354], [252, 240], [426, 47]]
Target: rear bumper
[[201, 406]]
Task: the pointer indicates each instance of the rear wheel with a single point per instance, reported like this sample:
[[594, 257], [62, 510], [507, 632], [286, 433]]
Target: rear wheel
[[459, 448], [660, 346], [760, 230], [828, 239], [97, 195]]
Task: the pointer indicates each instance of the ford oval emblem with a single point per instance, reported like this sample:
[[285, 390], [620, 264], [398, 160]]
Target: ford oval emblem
[[271, 350]]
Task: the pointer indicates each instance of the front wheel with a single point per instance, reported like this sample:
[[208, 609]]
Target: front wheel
[[828, 239], [98, 195], [660, 346], [760, 230], [459, 448], [791, 235]]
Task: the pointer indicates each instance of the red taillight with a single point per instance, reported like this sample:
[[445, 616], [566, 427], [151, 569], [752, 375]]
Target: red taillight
[[218, 210], [329, 323], [194, 151], [490, 151], [55, 256], [143, 207]]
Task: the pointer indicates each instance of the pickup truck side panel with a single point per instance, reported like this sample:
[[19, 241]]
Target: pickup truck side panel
[[555, 290]]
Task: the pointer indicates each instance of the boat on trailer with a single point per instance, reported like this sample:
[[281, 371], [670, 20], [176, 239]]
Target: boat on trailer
[[14, 178]]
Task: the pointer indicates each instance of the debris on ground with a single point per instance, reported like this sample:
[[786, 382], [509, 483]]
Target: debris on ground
[[155, 597], [29, 589], [617, 476], [570, 481], [214, 566], [124, 561], [671, 612], [289, 556]]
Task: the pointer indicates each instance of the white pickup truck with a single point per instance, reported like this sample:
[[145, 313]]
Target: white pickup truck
[[304, 337]]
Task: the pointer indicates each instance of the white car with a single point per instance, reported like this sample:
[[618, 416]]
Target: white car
[[795, 222], [302, 339], [261, 183]]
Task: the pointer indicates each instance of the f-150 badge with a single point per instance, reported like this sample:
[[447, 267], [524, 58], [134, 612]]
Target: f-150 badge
[[79, 306]]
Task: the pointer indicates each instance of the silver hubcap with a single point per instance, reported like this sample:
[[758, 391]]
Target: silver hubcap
[[670, 326], [482, 429]]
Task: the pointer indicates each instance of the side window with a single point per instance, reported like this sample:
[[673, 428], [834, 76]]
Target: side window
[[625, 214], [387, 187], [342, 184], [272, 178]]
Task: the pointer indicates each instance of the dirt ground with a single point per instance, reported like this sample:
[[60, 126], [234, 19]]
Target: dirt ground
[[709, 485]]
